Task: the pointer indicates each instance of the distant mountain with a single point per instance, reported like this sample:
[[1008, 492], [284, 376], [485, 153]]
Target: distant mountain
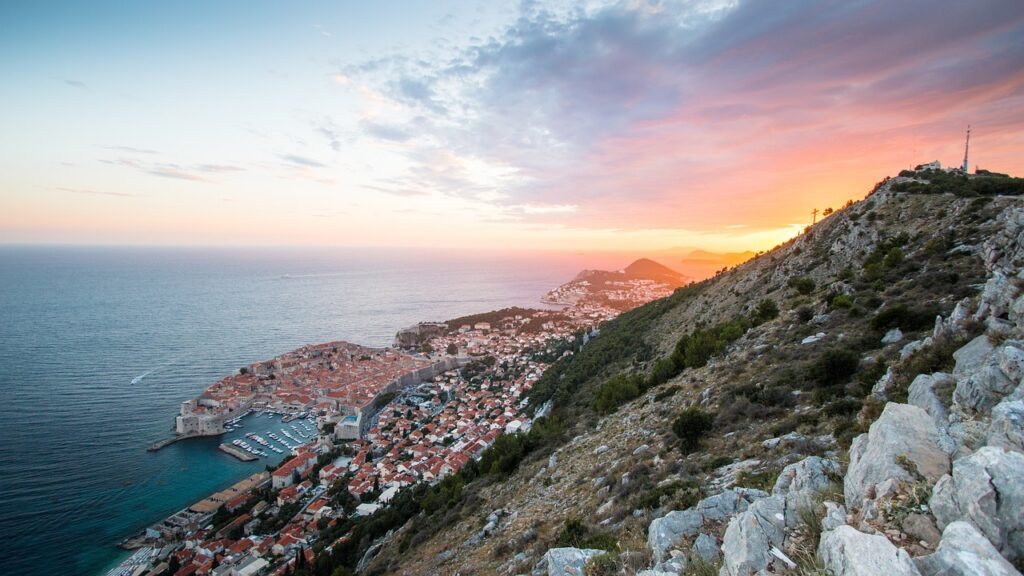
[[702, 264], [640, 282], [642, 269], [647, 269]]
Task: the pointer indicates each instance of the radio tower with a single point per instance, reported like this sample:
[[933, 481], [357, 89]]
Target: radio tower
[[967, 146]]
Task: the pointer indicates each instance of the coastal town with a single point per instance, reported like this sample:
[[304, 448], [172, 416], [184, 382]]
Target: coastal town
[[362, 425]]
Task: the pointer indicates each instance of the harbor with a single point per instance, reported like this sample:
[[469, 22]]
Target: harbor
[[237, 453]]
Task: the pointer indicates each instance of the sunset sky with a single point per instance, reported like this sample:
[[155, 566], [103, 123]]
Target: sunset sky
[[577, 125]]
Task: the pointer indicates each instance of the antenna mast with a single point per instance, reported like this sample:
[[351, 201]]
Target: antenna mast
[[967, 146]]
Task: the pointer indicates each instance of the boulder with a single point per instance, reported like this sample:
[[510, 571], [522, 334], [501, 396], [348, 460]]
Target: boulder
[[746, 546], [986, 374], [705, 549], [846, 551], [892, 336], [880, 390], [835, 516], [1006, 430], [1011, 360], [801, 481], [972, 356], [921, 528], [986, 489], [923, 394], [666, 532], [963, 551], [564, 561], [902, 431], [724, 505]]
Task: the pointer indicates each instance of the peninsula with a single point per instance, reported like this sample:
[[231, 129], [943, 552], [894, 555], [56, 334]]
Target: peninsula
[[369, 423]]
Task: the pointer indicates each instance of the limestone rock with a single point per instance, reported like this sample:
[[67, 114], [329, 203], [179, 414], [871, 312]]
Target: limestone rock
[[901, 431], [880, 390], [972, 356], [892, 336], [847, 552], [835, 516], [727, 503], [751, 535], [1007, 427], [986, 489], [665, 532], [921, 528], [964, 551], [922, 394], [801, 481], [564, 561], [705, 549]]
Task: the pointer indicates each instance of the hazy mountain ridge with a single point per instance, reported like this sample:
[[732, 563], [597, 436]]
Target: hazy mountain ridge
[[780, 390]]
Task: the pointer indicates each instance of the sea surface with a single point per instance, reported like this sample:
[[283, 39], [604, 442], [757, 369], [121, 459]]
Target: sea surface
[[99, 346]]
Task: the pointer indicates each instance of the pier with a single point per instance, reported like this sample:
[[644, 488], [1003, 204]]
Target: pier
[[240, 454], [168, 441]]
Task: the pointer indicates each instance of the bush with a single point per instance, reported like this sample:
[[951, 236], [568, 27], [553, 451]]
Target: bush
[[766, 310], [834, 367], [842, 301], [802, 284], [616, 391], [904, 318], [576, 534], [691, 426], [664, 369], [804, 314]]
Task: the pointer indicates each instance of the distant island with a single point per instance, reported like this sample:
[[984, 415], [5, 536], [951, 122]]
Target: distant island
[[620, 290]]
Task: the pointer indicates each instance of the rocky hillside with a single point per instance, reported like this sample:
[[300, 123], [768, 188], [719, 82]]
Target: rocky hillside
[[847, 403]]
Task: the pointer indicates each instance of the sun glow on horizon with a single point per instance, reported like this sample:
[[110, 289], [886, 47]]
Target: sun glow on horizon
[[543, 126]]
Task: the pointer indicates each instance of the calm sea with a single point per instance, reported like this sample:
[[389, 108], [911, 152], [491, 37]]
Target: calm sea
[[98, 346]]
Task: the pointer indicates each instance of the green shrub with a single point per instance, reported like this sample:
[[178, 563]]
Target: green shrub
[[804, 314], [834, 366], [576, 534], [616, 391], [666, 393], [654, 498], [766, 310], [763, 480], [802, 284], [842, 301], [664, 370], [904, 318], [691, 426]]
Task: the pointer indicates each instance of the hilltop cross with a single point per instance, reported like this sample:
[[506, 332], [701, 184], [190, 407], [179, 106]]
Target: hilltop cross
[[814, 213]]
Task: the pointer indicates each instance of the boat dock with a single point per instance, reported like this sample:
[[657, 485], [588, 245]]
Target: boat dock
[[168, 441], [237, 453]]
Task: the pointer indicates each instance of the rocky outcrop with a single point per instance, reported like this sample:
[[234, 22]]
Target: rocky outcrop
[[923, 394], [901, 432], [800, 482], [986, 489], [963, 551], [747, 544], [1006, 429], [986, 374], [564, 561], [846, 551], [668, 531]]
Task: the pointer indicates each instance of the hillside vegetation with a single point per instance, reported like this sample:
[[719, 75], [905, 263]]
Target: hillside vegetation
[[790, 355]]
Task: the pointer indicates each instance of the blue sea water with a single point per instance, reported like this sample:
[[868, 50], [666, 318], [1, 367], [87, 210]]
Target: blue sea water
[[98, 346]]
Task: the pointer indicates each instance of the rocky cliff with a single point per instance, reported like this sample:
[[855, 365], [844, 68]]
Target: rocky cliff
[[848, 403]]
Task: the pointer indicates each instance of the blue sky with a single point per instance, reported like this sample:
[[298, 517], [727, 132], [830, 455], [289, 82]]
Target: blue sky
[[716, 123]]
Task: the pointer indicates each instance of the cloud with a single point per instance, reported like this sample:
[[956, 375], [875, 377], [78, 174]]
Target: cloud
[[176, 173], [396, 191], [95, 192], [131, 149], [646, 115], [392, 132], [76, 84], [218, 168], [302, 161]]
